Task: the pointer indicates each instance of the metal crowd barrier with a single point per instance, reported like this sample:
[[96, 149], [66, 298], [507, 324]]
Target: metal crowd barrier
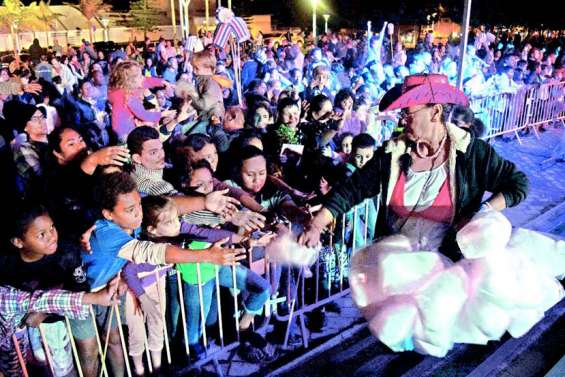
[[300, 304], [527, 108]]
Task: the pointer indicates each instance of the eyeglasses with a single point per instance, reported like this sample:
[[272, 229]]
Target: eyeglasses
[[404, 113], [37, 118]]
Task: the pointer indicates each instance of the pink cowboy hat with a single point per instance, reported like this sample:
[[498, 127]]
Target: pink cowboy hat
[[421, 90]]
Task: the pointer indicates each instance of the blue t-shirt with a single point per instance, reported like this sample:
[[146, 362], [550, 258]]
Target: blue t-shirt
[[103, 263]]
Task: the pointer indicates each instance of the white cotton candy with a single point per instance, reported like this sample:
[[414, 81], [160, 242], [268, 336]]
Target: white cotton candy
[[487, 232], [523, 320], [541, 250], [286, 250], [393, 324], [405, 272], [439, 303]]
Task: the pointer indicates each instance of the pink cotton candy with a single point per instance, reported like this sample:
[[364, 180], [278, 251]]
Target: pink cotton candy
[[487, 232]]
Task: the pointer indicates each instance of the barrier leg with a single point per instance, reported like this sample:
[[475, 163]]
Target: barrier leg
[[163, 308], [104, 371], [74, 347], [123, 340], [201, 303], [48, 355], [220, 325], [20, 355], [183, 315]]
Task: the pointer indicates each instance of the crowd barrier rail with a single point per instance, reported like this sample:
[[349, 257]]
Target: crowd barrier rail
[[527, 108], [299, 303]]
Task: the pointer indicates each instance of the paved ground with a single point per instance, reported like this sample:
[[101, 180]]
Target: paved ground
[[547, 180], [356, 353]]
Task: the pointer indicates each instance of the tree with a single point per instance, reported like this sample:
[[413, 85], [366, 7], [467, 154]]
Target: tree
[[16, 16], [90, 8], [143, 17]]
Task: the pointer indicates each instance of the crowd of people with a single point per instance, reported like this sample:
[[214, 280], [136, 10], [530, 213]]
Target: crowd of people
[[117, 162]]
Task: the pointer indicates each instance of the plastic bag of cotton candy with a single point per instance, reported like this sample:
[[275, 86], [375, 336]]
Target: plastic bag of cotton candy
[[284, 249], [410, 298], [511, 278]]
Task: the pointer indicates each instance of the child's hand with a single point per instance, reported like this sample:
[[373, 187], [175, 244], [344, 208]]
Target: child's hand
[[85, 239], [217, 254], [248, 220], [324, 186], [219, 202], [104, 297], [264, 240], [34, 319]]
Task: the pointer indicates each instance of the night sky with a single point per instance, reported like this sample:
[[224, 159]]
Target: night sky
[[355, 13]]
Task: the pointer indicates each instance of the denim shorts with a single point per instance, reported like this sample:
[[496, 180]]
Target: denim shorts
[[84, 328]]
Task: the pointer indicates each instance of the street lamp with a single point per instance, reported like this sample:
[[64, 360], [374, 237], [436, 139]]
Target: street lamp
[[16, 37], [326, 18], [314, 5], [105, 22]]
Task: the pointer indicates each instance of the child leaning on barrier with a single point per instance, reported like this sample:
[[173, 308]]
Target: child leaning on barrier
[[42, 261], [114, 242], [161, 221], [17, 305]]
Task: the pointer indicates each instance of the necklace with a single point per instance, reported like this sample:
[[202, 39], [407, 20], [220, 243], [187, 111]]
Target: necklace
[[420, 145]]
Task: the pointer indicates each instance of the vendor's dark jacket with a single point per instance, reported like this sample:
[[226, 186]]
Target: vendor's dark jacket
[[474, 167]]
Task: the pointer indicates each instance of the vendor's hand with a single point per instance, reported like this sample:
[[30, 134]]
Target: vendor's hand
[[248, 220], [34, 319], [219, 202], [85, 239], [218, 254], [110, 156], [311, 236]]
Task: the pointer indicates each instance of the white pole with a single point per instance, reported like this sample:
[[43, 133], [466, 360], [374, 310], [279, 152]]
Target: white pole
[[314, 4], [464, 40], [174, 21]]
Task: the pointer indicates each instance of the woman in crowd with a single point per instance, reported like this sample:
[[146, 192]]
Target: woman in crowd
[[126, 97]]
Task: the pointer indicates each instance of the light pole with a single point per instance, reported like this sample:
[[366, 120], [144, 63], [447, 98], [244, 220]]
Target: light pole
[[326, 18], [105, 22], [314, 5]]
